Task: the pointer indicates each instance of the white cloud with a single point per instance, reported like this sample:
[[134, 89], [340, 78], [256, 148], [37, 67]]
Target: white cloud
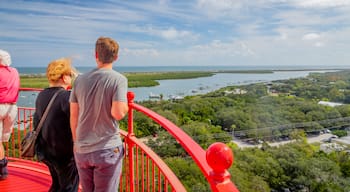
[[214, 8], [222, 5], [218, 48], [314, 38], [163, 2], [319, 44], [300, 18], [169, 33], [172, 33], [311, 36], [283, 36], [321, 3], [139, 52]]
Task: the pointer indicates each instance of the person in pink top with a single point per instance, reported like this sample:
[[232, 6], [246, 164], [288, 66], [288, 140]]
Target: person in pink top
[[9, 89]]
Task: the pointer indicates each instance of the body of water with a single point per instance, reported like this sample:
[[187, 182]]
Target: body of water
[[184, 87]]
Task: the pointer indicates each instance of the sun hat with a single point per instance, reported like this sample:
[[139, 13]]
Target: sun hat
[[5, 58]]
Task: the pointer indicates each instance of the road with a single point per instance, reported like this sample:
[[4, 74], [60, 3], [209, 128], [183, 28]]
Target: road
[[314, 139]]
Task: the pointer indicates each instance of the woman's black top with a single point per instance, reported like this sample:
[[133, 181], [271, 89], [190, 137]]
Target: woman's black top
[[54, 142]]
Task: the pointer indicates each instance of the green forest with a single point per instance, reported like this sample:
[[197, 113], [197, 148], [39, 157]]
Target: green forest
[[260, 113]]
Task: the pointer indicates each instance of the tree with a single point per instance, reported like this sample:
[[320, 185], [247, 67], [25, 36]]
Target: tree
[[344, 110], [188, 173]]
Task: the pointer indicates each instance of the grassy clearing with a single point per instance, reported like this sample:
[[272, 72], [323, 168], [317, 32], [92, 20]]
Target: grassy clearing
[[150, 79], [134, 79], [34, 82]]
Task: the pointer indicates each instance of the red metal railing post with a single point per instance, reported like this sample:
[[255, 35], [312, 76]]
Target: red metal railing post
[[130, 96], [220, 157]]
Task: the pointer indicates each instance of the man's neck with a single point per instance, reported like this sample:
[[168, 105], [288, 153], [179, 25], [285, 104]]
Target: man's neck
[[105, 66]]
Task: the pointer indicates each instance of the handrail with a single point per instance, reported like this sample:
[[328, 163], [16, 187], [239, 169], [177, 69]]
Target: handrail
[[144, 169], [218, 156], [168, 173], [30, 89]]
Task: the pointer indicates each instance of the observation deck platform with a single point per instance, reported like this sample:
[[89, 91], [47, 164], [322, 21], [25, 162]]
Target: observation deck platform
[[25, 176]]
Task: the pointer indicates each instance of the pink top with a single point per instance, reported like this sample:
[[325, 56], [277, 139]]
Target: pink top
[[9, 84]]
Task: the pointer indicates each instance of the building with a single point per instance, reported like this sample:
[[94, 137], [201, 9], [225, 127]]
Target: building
[[331, 104]]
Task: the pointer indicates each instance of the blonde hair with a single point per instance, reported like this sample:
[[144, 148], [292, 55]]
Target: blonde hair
[[57, 68]]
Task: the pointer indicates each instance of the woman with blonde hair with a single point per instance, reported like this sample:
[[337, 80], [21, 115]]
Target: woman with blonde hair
[[54, 145]]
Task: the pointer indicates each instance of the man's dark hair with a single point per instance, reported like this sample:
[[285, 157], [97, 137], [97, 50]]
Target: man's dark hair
[[106, 49]]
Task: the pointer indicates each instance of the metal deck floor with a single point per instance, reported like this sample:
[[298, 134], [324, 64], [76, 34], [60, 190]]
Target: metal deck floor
[[26, 176]]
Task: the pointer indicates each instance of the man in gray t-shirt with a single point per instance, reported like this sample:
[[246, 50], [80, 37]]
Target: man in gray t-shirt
[[97, 102]]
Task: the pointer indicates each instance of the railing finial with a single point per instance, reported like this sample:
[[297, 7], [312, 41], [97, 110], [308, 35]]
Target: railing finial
[[219, 156], [130, 95]]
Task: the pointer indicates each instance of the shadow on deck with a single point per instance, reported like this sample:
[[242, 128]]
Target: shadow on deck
[[25, 175]]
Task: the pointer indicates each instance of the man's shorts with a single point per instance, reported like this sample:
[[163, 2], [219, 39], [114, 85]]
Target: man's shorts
[[8, 114]]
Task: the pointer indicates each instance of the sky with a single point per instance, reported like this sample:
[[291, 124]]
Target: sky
[[179, 32]]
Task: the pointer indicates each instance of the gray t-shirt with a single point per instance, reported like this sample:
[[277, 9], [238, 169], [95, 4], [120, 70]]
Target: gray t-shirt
[[94, 92]]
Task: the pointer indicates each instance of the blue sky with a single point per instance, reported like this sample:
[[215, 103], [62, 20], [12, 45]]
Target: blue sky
[[179, 32]]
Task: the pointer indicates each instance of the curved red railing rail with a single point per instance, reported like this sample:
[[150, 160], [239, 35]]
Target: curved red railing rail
[[144, 170], [213, 163]]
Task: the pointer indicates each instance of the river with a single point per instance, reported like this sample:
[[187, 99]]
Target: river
[[184, 87]]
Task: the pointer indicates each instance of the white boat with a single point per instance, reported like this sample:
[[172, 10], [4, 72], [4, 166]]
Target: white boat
[[153, 96]]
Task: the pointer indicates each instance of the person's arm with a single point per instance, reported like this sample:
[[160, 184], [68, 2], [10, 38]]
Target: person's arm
[[119, 109], [74, 113]]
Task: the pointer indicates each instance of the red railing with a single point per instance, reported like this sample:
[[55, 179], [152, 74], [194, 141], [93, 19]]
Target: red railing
[[143, 169]]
